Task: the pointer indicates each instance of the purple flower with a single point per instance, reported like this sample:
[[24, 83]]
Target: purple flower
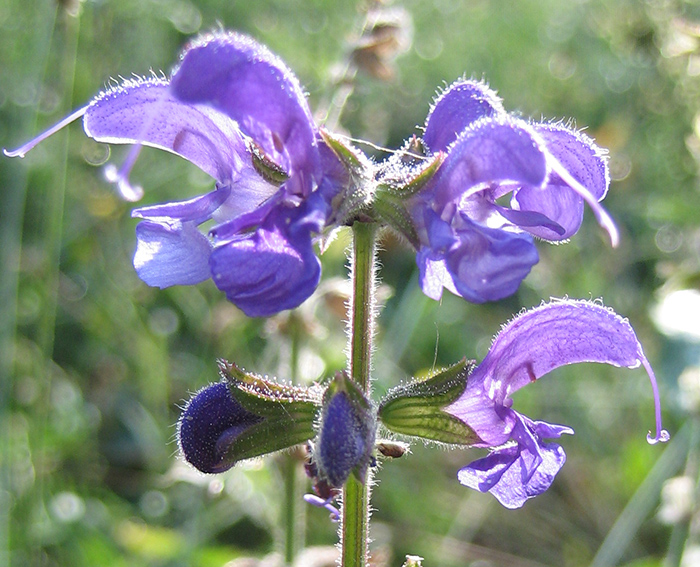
[[468, 240], [522, 464], [237, 112]]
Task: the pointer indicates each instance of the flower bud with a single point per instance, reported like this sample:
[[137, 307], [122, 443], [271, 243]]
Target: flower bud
[[242, 417], [347, 433], [417, 408]]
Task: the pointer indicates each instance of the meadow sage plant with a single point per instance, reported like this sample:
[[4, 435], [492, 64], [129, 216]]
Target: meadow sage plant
[[236, 111]]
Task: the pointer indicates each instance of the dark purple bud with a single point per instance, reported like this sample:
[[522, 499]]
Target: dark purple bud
[[211, 422]]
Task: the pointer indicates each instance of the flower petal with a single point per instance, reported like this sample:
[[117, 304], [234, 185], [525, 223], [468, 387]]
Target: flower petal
[[462, 104], [195, 210], [434, 275], [146, 112], [585, 162], [493, 150], [171, 253], [556, 334], [488, 264], [238, 76], [559, 333], [267, 271], [579, 154], [515, 473]]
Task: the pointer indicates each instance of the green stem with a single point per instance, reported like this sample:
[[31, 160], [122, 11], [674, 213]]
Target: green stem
[[362, 304], [294, 515], [356, 495], [291, 496]]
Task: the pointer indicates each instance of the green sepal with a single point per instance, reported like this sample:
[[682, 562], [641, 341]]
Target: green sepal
[[288, 413], [417, 408], [393, 212], [352, 158], [390, 197], [356, 198], [412, 185], [342, 383], [266, 397]]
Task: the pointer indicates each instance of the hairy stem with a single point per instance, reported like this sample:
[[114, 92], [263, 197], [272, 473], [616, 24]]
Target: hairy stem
[[356, 495], [294, 515]]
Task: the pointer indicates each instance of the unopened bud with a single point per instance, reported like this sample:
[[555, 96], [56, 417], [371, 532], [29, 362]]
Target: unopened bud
[[347, 434], [242, 417]]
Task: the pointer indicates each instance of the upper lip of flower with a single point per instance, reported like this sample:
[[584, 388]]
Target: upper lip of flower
[[558, 333], [467, 116]]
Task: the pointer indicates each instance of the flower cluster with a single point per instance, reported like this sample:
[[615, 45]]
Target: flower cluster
[[235, 110]]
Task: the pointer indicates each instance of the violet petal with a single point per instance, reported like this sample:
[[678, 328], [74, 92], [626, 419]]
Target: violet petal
[[559, 333], [146, 112], [515, 473], [243, 79], [266, 272], [195, 210], [488, 264], [493, 150], [462, 104], [585, 162]]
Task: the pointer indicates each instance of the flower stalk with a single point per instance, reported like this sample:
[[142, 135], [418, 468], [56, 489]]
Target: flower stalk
[[356, 495]]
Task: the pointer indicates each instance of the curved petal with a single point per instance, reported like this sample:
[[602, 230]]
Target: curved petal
[[210, 423], [171, 254], [458, 107], [585, 162], [493, 150], [583, 159], [433, 274], [488, 264], [556, 334], [146, 112], [238, 76], [266, 272]]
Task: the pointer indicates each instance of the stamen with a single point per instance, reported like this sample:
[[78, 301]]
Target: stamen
[[661, 434], [604, 218], [321, 503], [22, 151], [120, 177]]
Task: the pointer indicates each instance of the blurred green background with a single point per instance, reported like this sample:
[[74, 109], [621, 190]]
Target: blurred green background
[[94, 364]]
